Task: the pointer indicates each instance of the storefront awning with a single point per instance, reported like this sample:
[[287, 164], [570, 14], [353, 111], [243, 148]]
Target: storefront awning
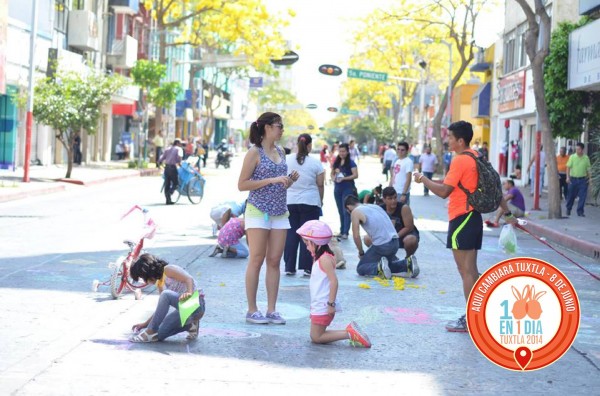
[[480, 102]]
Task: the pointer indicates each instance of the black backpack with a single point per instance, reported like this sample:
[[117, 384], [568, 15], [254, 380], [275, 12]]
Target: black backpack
[[488, 194]]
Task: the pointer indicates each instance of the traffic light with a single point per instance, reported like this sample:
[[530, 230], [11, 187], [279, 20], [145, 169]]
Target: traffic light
[[332, 109], [330, 70], [289, 58], [423, 64]]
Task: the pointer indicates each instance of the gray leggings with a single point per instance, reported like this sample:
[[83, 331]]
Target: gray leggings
[[168, 323]]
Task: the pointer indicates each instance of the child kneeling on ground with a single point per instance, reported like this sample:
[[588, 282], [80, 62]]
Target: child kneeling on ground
[[174, 284], [323, 288], [229, 240]]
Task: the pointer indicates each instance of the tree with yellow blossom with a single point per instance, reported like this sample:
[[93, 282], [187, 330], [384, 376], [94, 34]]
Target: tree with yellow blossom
[[236, 27]]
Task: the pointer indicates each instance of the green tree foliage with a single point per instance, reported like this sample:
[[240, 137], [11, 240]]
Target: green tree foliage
[[567, 108], [148, 75], [71, 103], [296, 118]]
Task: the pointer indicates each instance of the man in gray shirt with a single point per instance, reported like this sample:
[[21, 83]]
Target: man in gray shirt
[[380, 257]]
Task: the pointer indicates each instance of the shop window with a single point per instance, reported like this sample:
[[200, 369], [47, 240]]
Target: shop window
[[79, 4], [61, 13]]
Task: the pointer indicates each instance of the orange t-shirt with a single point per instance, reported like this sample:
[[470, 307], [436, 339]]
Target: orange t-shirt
[[464, 170], [561, 163]]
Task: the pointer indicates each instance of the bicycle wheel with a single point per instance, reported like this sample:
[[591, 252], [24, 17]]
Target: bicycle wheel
[[117, 280], [195, 190], [176, 194]]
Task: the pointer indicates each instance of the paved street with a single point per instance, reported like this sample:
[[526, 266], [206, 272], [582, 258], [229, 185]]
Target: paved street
[[59, 338]]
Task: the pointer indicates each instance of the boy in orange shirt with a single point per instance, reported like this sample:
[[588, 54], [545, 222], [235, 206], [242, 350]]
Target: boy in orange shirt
[[465, 227]]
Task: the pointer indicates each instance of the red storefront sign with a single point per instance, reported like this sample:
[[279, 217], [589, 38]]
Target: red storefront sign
[[123, 109], [511, 92]]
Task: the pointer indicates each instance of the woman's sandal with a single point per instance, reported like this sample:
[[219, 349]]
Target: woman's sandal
[[144, 337], [193, 331]]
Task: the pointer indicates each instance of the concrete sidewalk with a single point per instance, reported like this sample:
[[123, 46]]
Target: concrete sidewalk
[[580, 234], [51, 179]]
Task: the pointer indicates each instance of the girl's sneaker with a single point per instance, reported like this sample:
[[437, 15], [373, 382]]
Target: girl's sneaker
[[256, 318], [275, 318], [357, 336]]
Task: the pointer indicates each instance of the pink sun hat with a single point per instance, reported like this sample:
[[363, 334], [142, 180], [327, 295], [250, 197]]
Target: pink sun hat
[[316, 231]]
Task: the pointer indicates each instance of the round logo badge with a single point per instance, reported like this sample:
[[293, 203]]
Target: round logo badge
[[523, 314]]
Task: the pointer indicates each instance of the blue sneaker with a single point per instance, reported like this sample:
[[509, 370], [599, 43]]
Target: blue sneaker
[[256, 318], [275, 318]]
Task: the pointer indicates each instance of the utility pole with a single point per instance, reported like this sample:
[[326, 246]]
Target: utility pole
[[29, 120]]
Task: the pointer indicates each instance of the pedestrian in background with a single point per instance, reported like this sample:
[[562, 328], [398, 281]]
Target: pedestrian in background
[[264, 174], [174, 284], [343, 174], [353, 150], [205, 155], [159, 145], [515, 201], [304, 201], [323, 288], [324, 157], [465, 226], [447, 160], [77, 149], [578, 178], [532, 168], [427, 165], [561, 163], [172, 157], [389, 157], [483, 152], [401, 173]]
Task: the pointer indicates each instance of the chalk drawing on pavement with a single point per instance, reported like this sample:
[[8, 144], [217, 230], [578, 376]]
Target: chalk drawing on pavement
[[409, 315]]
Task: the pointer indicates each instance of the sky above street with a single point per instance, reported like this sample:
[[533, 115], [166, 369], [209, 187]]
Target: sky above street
[[321, 33]]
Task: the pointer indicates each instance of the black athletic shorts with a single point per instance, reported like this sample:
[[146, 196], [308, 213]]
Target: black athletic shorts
[[465, 232], [413, 232]]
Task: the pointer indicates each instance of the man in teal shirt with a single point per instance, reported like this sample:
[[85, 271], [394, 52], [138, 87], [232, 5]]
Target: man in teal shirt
[[578, 177]]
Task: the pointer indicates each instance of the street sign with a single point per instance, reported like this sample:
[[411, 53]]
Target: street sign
[[311, 106], [256, 82], [345, 110], [367, 75]]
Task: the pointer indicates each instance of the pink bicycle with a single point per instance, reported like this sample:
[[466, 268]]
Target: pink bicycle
[[119, 279]]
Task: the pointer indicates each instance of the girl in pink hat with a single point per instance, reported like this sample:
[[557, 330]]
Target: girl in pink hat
[[323, 288]]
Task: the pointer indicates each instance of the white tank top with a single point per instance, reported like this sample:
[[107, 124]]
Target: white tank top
[[319, 290]]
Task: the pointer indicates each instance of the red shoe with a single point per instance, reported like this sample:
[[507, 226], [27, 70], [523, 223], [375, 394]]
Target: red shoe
[[357, 335], [490, 224]]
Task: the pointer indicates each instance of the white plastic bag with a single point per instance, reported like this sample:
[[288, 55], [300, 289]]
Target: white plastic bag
[[508, 239]]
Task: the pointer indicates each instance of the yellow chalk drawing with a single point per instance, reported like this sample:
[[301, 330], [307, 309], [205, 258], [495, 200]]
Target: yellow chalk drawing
[[364, 286], [222, 284], [399, 283]]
